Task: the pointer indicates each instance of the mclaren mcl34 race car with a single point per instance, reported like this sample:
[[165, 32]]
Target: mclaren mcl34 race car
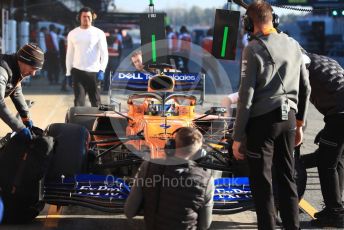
[[98, 150]]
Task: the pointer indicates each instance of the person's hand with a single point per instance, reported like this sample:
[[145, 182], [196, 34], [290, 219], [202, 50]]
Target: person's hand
[[25, 133], [100, 75], [69, 81], [298, 136], [27, 122], [236, 151]]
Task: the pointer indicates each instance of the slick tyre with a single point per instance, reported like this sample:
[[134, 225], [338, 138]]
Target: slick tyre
[[86, 121], [70, 150]]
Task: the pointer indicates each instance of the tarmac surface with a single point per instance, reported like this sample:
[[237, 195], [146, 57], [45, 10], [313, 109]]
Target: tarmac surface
[[51, 105]]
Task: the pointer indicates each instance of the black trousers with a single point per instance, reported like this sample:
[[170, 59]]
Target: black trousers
[[111, 67], [53, 67], [271, 141], [331, 162], [85, 82]]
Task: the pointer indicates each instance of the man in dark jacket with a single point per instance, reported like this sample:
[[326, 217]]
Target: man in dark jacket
[[174, 194], [13, 69], [326, 77]]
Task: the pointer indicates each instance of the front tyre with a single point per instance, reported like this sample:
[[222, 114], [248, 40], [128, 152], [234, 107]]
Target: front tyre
[[70, 150]]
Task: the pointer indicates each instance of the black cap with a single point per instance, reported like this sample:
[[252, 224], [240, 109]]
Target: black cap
[[32, 55]]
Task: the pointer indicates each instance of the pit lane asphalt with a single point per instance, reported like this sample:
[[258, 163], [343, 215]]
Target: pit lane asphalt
[[50, 107]]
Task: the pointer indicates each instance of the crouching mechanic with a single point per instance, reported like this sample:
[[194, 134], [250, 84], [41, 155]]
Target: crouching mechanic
[[13, 69], [175, 194], [326, 77]]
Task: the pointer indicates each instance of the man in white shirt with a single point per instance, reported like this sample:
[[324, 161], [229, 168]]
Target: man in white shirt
[[86, 58]]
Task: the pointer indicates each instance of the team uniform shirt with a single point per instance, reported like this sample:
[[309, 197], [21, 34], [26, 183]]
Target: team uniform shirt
[[261, 89], [86, 50], [326, 77], [10, 86]]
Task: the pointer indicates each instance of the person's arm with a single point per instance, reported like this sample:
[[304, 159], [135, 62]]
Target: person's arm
[[133, 204], [103, 49], [303, 102], [205, 213], [304, 93], [228, 101], [5, 113], [19, 102], [249, 69], [69, 55]]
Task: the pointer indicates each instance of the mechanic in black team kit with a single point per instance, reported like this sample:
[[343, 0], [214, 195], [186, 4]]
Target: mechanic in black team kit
[[176, 194], [13, 69], [274, 88], [86, 58], [326, 77]]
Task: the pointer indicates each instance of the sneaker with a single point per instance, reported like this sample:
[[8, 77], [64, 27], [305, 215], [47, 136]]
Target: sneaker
[[329, 213], [322, 214], [336, 222]]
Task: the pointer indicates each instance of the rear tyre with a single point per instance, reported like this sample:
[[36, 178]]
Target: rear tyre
[[86, 121]]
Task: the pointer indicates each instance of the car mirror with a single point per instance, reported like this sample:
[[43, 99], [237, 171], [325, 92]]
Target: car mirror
[[216, 111]]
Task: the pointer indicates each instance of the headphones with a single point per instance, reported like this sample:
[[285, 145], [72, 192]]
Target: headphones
[[248, 22], [85, 9], [170, 147]]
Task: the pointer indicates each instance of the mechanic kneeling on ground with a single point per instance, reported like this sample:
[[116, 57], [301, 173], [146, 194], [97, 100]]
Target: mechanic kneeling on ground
[[13, 69], [174, 193]]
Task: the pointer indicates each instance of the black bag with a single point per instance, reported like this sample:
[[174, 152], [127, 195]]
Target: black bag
[[22, 165]]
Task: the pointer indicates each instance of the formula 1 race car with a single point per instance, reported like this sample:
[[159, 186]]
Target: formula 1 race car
[[98, 150], [157, 106]]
